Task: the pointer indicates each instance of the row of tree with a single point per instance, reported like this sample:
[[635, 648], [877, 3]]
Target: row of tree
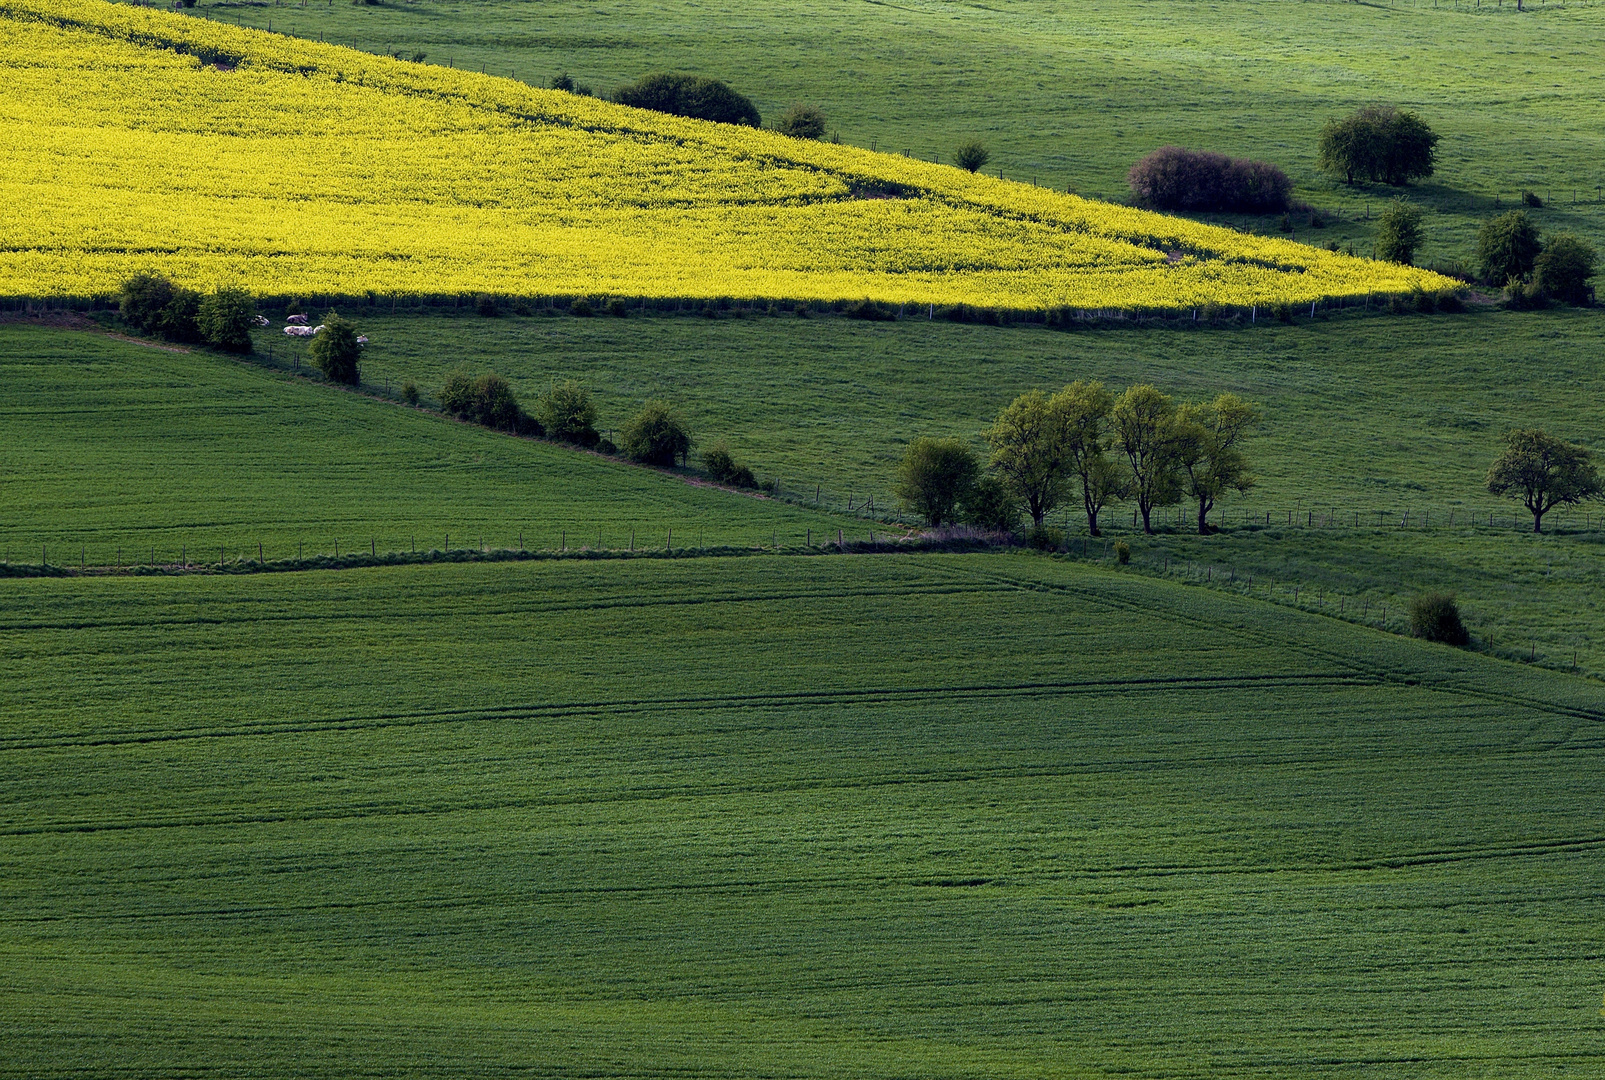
[[1085, 440]]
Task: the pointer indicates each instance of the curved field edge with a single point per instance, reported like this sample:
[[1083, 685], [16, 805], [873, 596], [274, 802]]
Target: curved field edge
[[656, 206]]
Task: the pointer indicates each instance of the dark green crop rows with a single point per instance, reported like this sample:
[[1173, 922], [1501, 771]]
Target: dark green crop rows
[[938, 816]]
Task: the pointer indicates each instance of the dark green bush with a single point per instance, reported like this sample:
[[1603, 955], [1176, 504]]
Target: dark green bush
[[1530, 199], [456, 393], [1399, 232], [409, 392], [1122, 552], [486, 305], [1436, 617], [567, 412], [157, 306], [657, 435], [972, 155], [494, 404], [1378, 143], [990, 505], [870, 311], [802, 122], [935, 477], [617, 309], [335, 350], [1045, 537], [1507, 247], [581, 308], [1563, 268], [225, 318], [689, 95]]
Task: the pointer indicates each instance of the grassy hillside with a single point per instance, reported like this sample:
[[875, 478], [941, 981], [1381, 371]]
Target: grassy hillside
[[904, 817], [141, 139], [113, 446], [1367, 421], [1074, 93]]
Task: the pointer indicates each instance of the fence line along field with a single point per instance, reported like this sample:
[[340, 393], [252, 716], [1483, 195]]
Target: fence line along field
[[115, 452], [952, 816], [137, 140]]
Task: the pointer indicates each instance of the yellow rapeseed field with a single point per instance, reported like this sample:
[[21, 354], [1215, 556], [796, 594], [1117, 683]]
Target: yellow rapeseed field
[[133, 139]]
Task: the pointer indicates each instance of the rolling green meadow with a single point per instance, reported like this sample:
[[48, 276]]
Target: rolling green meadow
[[1073, 94], [924, 816], [770, 808], [114, 446]]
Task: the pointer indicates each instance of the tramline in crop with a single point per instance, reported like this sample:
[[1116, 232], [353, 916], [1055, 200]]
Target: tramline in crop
[[138, 140]]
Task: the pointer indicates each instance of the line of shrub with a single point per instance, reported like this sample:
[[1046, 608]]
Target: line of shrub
[[1174, 178], [222, 318]]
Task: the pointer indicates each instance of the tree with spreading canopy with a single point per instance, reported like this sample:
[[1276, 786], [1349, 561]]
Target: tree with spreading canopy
[[1145, 430], [1082, 413], [1028, 452], [1543, 472], [1208, 452], [1378, 143]]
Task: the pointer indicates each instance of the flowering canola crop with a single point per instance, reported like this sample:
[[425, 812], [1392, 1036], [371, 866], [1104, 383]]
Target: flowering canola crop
[[140, 140]]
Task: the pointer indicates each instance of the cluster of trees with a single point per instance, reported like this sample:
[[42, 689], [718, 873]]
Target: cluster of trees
[[1379, 143], [1172, 178], [1085, 440], [222, 318], [1510, 253]]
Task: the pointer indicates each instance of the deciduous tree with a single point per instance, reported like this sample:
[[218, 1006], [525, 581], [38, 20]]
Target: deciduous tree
[[1507, 246], [1081, 412], [1144, 425], [1543, 472], [1208, 450], [1028, 452]]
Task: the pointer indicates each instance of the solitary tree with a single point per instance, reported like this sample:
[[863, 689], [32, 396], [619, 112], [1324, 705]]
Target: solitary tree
[[1399, 232], [935, 476], [1145, 431], [971, 155], [1028, 452], [1563, 268], [225, 319], [1082, 413], [335, 350], [567, 412], [1544, 472], [656, 435], [1378, 143], [1507, 247], [803, 122], [1207, 450]]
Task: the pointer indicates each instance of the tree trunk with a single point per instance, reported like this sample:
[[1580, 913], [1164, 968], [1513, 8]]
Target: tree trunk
[[1203, 514], [1538, 521], [1145, 508], [1092, 523]]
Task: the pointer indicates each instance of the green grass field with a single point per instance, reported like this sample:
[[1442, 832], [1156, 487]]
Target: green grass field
[[1367, 420], [113, 446], [938, 816], [1073, 94]]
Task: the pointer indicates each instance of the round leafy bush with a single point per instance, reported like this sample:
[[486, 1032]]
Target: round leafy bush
[[971, 155], [1174, 178], [657, 435], [335, 350], [1563, 268], [803, 122], [567, 412], [225, 318], [1435, 617], [695, 96], [1507, 247]]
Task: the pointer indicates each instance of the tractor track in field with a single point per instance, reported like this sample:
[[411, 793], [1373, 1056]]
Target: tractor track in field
[[1176, 615], [729, 702]]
